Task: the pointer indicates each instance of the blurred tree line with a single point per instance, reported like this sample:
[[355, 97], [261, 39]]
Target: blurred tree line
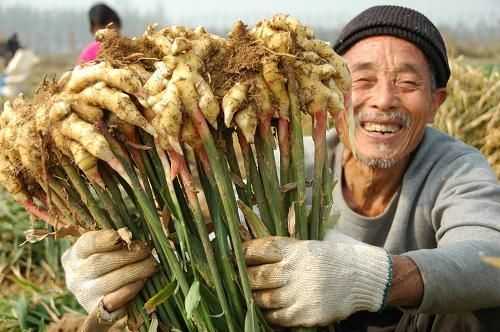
[[67, 31]]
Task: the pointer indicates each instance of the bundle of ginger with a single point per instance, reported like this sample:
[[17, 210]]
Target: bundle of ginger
[[175, 129]]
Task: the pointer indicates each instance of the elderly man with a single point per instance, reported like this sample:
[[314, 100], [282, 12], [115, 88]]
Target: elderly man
[[417, 208]]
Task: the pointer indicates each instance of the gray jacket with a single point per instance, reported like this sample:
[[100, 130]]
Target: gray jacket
[[445, 216]]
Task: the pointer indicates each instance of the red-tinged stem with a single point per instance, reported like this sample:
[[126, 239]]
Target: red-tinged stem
[[176, 161], [96, 178], [184, 174], [36, 212], [264, 125], [203, 158], [319, 137]]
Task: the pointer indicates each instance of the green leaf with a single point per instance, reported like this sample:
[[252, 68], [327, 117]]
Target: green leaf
[[162, 296], [199, 260], [21, 310], [256, 225], [251, 320], [25, 284], [192, 299], [211, 300]]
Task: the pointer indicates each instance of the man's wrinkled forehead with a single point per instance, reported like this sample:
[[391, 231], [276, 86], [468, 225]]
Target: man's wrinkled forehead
[[404, 67], [373, 52]]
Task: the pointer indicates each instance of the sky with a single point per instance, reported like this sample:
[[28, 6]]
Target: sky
[[317, 12]]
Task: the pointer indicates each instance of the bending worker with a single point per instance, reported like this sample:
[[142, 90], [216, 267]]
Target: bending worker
[[417, 207], [100, 17]]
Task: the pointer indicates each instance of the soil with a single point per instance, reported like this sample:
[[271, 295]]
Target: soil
[[240, 61], [119, 51]]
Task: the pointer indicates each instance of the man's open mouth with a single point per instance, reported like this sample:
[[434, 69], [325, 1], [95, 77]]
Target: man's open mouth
[[381, 128]]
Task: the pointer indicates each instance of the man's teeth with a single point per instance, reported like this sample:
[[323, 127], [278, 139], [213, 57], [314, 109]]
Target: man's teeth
[[381, 128]]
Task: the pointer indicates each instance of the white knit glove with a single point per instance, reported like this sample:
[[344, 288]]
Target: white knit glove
[[103, 273], [314, 283]]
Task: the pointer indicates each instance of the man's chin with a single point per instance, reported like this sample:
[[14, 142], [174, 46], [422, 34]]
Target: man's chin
[[376, 162]]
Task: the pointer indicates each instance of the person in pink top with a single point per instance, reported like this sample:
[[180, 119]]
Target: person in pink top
[[100, 15]]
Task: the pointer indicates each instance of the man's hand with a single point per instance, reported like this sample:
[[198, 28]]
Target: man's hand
[[99, 266], [309, 283]]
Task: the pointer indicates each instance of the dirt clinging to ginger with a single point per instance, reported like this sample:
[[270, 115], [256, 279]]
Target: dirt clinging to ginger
[[241, 61]]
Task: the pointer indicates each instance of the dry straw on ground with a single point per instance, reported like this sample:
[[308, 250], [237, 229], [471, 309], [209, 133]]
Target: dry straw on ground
[[471, 112]]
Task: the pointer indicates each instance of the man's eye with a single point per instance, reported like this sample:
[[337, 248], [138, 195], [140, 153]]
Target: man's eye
[[408, 84], [362, 81]]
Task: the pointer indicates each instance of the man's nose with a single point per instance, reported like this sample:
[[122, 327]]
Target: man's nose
[[385, 95]]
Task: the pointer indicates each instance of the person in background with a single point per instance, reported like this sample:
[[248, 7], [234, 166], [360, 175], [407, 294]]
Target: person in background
[[8, 48], [100, 16], [16, 66]]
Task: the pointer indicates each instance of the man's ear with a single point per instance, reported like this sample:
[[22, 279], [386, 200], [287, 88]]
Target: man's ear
[[438, 98]]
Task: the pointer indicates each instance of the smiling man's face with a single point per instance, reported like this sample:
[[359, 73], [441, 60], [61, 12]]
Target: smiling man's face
[[393, 100]]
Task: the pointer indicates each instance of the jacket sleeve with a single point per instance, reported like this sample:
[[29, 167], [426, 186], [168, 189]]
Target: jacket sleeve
[[466, 220]]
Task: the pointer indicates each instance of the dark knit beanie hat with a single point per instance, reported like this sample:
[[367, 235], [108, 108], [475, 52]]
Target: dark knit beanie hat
[[399, 22]]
